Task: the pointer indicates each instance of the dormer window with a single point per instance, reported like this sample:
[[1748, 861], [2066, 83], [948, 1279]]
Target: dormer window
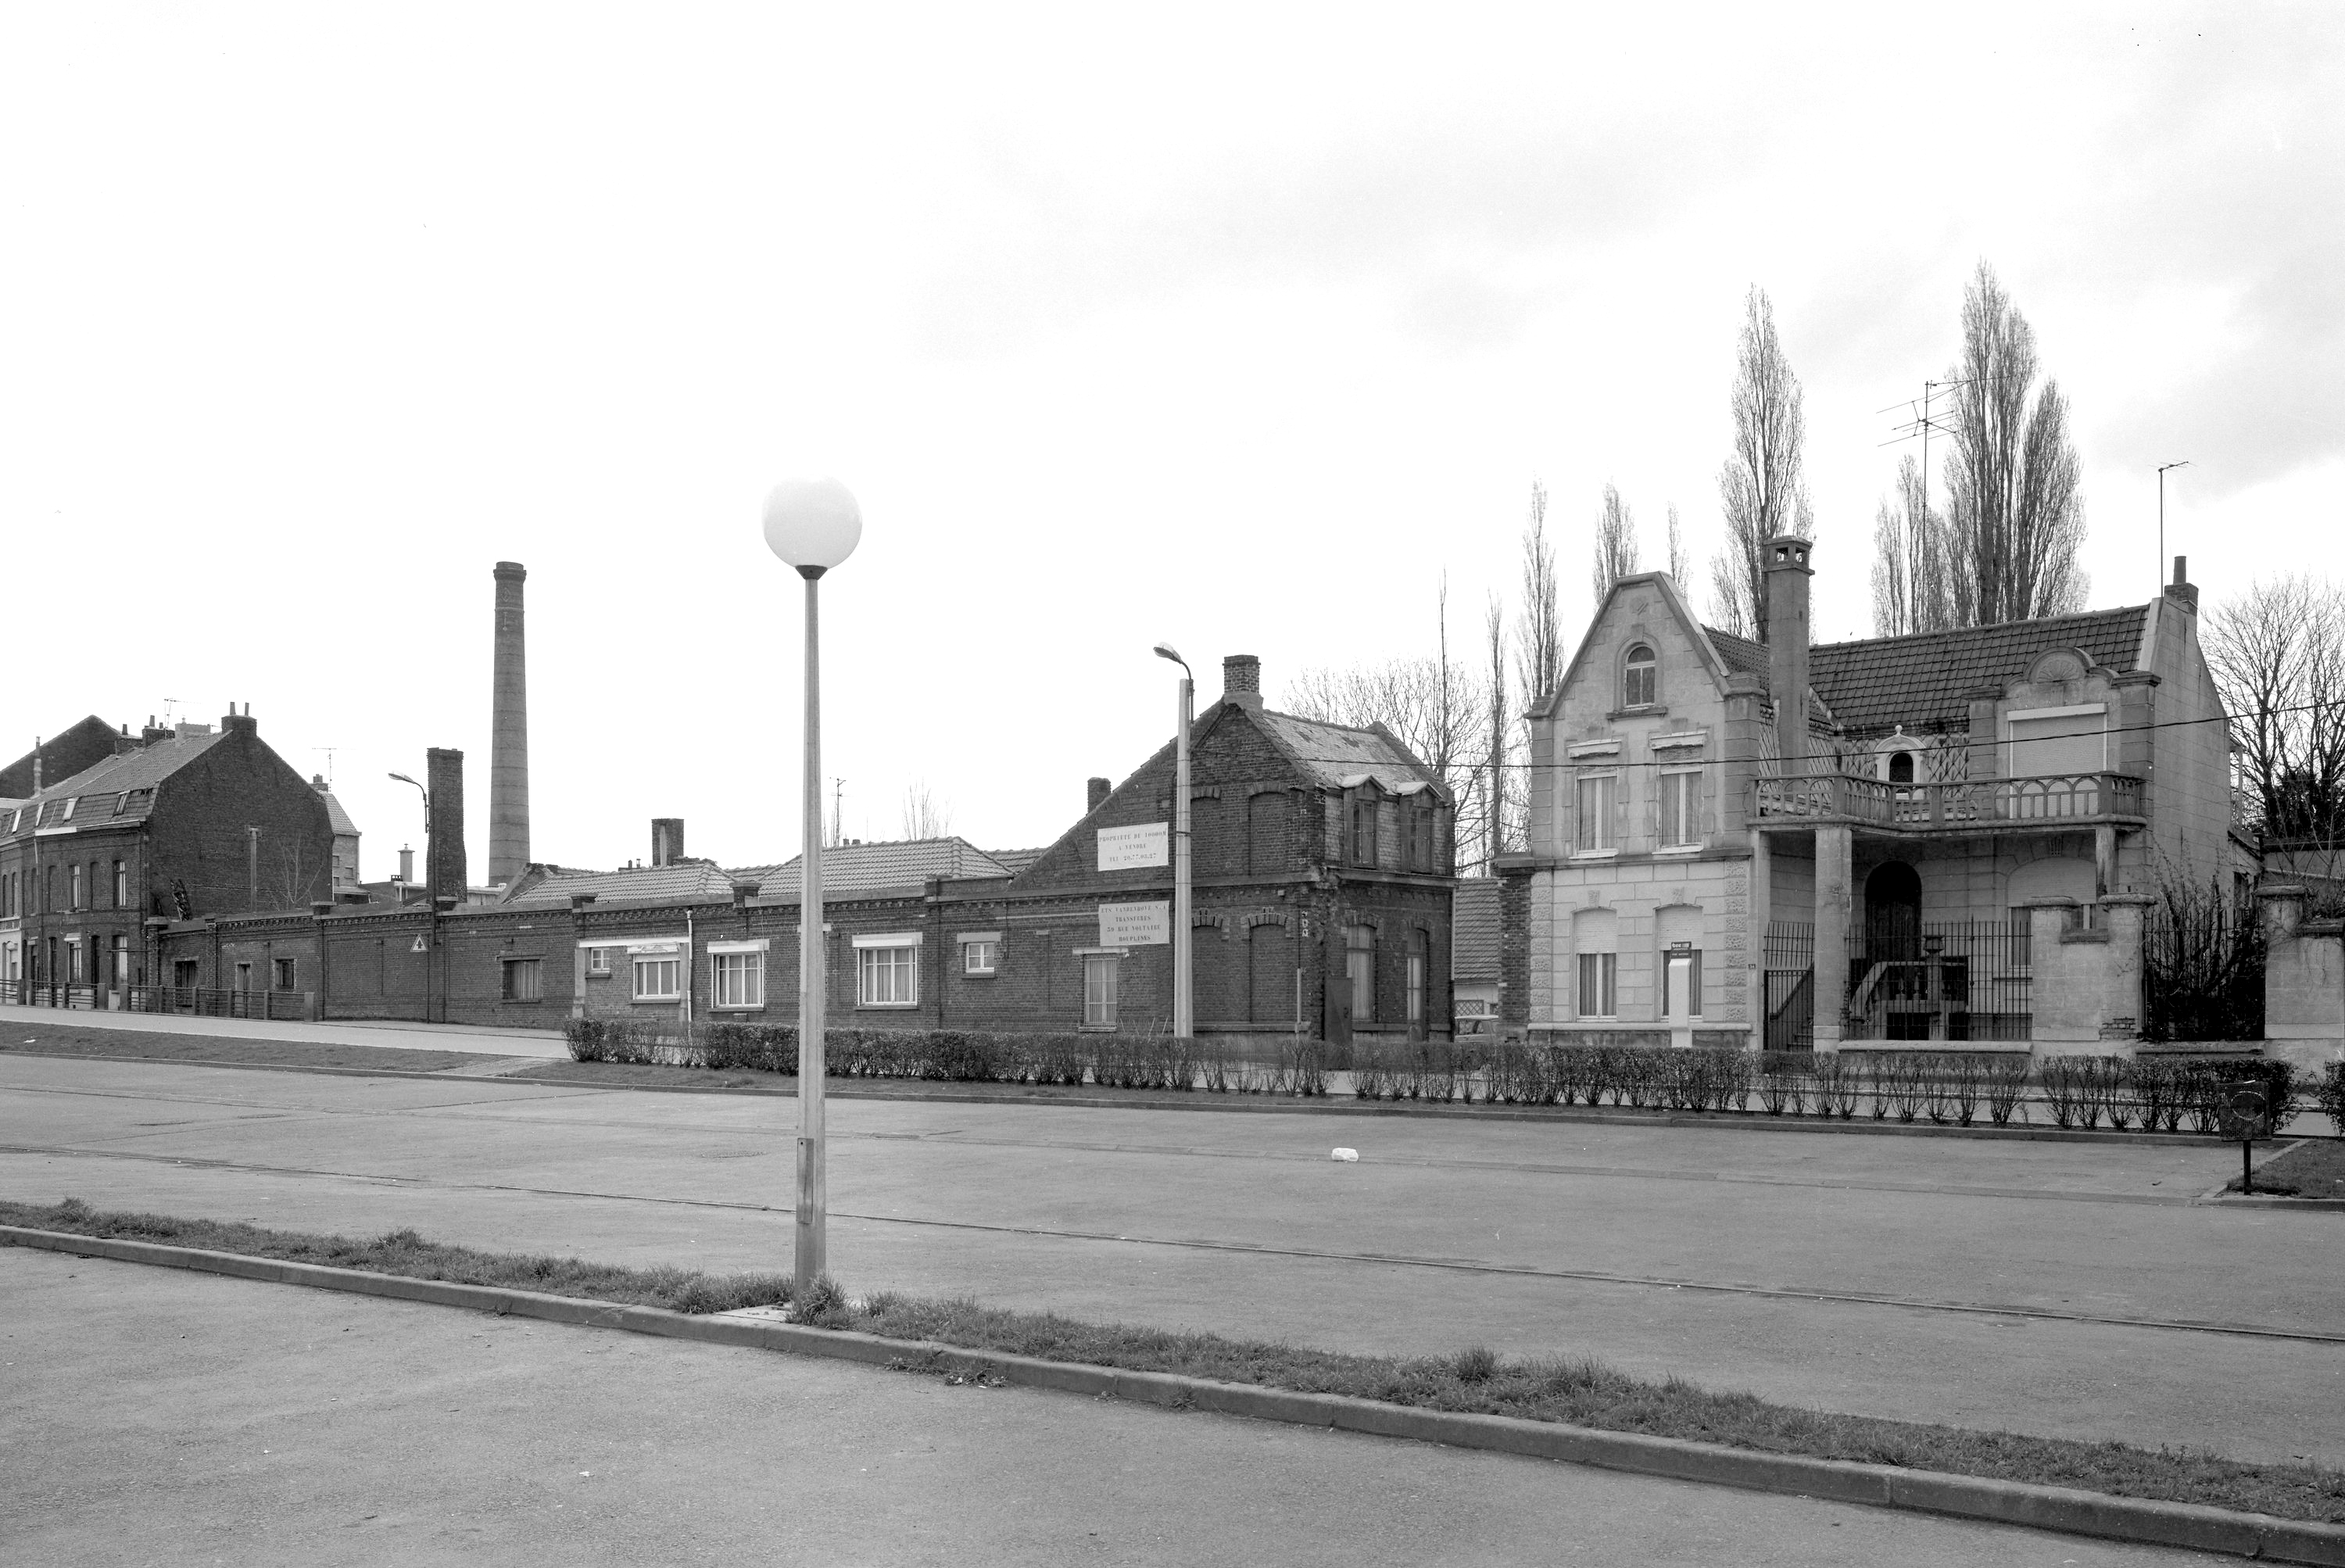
[[1901, 767], [1639, 684]]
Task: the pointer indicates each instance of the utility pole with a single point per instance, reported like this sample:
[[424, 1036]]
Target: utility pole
[[252, 865], [2161, 518]]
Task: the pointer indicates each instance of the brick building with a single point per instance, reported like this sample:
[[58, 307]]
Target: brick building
[[186, 821], [1321, 870]]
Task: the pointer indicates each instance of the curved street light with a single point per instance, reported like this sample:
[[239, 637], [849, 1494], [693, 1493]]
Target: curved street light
[[812, 524]]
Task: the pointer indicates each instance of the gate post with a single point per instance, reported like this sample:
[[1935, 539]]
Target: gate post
[[2121, 1002]]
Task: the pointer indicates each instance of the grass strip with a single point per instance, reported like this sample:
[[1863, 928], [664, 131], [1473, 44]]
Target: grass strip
[[1577, 1392], [2314, 1168]]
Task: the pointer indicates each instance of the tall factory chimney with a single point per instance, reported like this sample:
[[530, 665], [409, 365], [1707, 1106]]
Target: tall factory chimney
[[509, 737]]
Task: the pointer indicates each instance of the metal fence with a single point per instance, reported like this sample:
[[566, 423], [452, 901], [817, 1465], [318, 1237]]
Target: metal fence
[[1789, 963], [198, 1002], [1964, 980], [2202, 974]]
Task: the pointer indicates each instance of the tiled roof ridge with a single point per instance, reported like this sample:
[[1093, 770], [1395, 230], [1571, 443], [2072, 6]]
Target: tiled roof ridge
[[1977, 630]]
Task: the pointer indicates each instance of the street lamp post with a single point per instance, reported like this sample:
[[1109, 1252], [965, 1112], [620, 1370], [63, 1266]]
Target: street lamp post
[[812, 524], [1184, 999]]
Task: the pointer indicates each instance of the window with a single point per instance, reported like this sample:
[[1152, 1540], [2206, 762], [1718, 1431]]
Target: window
[[1599, 996], [1901, 767], [885, 976], [1360, 968], [1416, 983], [76, 885], [1680, 816], [183, 974], [598, 961], [1596, 813], [524, 980], [979, 956], [1363, 827], [243, 974], [1420, 810], [121, 886], [1640, 681], [67, 815], [658, 979], [285, 975], [1099, 990], [121, 960], [73, 963], [1683, 997], [737, 979]]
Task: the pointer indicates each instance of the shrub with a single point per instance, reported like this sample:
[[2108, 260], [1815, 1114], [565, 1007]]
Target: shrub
[[1783, 1083], [1476, 1364], [2327, 1093], [2004, 1079], [1838, 1082]]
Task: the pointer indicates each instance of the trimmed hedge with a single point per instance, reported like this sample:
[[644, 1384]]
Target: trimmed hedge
[[964, 1055]]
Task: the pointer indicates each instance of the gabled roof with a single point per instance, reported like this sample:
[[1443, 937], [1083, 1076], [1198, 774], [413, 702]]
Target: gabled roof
[[1016, 860], [1924, 681], [687, 880], [338, 818], [103, 787], [1338, 757], [1474, 929], [851, 868], [1696, 633], [71, 750]]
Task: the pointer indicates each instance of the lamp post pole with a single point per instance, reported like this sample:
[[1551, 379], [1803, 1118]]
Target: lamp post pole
[[1184, 998], [813, 525]]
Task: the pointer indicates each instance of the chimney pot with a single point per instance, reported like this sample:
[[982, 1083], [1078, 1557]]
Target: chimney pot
[[2182, 590], [1242, 680], [1096, 791]]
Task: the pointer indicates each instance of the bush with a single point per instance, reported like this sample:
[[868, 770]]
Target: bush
[[2329, 1094], [2005, 1081]]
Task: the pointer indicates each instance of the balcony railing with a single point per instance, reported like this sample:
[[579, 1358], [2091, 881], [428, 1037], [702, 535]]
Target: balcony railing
[[2048, 797]]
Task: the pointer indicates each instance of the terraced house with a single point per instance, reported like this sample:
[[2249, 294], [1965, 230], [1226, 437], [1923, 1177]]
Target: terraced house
[[1787, 845]]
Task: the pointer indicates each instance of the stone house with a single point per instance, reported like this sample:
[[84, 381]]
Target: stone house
[[1701, 873]]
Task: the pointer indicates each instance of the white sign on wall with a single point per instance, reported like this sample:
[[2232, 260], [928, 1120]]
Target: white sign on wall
[[1135, 925], [1129, 848]]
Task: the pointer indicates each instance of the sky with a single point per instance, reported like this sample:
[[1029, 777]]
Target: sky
[[1245, 328]]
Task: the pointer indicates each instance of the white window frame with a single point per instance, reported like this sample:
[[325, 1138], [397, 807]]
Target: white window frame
[[598, 961], [1630, 666], [121, 884], [1592, 831], [1599, 972], [1683, 835], [659, 966], [1417, 988], [981, 957], [1101, 1000], [1360, 971], [736, 977], [871, 966]]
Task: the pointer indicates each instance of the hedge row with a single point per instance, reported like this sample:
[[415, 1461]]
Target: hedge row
[[966, 1056], [1949, 1088]]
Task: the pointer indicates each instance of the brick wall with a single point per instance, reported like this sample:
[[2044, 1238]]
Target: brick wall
[[197, 832]]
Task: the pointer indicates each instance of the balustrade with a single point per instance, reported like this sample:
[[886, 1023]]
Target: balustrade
[[2049, 798]]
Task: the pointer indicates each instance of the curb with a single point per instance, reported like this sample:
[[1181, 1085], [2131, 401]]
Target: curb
[[2061, 1508]]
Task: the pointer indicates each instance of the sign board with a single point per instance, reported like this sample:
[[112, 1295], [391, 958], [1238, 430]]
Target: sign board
[[1135, 925], [2243, 1112], [418, 947], [1131, 848]]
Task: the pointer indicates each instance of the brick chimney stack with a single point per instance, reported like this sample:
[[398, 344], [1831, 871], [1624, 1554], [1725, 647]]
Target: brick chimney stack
[[2182, 590], [445, 869], [1242, 681], [1095, 794], [508, 735], [667, 841], [1788, 574]]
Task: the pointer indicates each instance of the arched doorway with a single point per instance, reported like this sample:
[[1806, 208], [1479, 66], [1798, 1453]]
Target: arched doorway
[[1892, 911]]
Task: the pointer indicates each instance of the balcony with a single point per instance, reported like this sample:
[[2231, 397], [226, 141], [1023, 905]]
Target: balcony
[[2063, 800]]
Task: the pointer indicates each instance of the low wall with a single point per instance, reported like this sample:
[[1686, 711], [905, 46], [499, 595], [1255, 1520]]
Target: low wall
[[2304, 981]]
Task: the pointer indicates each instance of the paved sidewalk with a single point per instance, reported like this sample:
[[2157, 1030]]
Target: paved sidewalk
[[157, 1416], [544, 1044]]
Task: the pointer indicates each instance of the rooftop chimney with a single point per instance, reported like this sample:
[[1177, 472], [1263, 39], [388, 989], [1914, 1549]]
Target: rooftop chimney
[[1095, 792], [444, 866], [2182, 590], [154, 732], [406, 864], [235, 723], [509, 736], [1242, 681], [667, 841], [1787, 644]]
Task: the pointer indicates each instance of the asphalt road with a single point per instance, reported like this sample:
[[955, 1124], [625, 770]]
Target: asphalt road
[[2060, 1288], [159, 1417]]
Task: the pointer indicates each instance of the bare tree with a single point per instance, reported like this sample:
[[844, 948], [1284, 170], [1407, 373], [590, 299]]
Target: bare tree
[[1761, 489], [924, 816], [1431, 704], [1616, 544], [1911, 584], [2016, 512], [1680, 563], [2277, 656], [1500, 837], [1539, 652], [295, 877]]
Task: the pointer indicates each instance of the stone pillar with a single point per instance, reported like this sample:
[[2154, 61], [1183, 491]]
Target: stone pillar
[[1835, 850], [1762, 901], [2281, 909], [2122, 998], [2065, 1007], [2104, 859]]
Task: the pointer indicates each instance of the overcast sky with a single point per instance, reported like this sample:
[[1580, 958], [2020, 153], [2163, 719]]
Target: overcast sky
[[1238, 327]]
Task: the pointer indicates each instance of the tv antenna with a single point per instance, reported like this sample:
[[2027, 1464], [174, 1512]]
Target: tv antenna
[[2161, 518]]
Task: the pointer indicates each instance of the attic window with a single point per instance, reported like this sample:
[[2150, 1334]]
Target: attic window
[[66, 816], [1638, 685]]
